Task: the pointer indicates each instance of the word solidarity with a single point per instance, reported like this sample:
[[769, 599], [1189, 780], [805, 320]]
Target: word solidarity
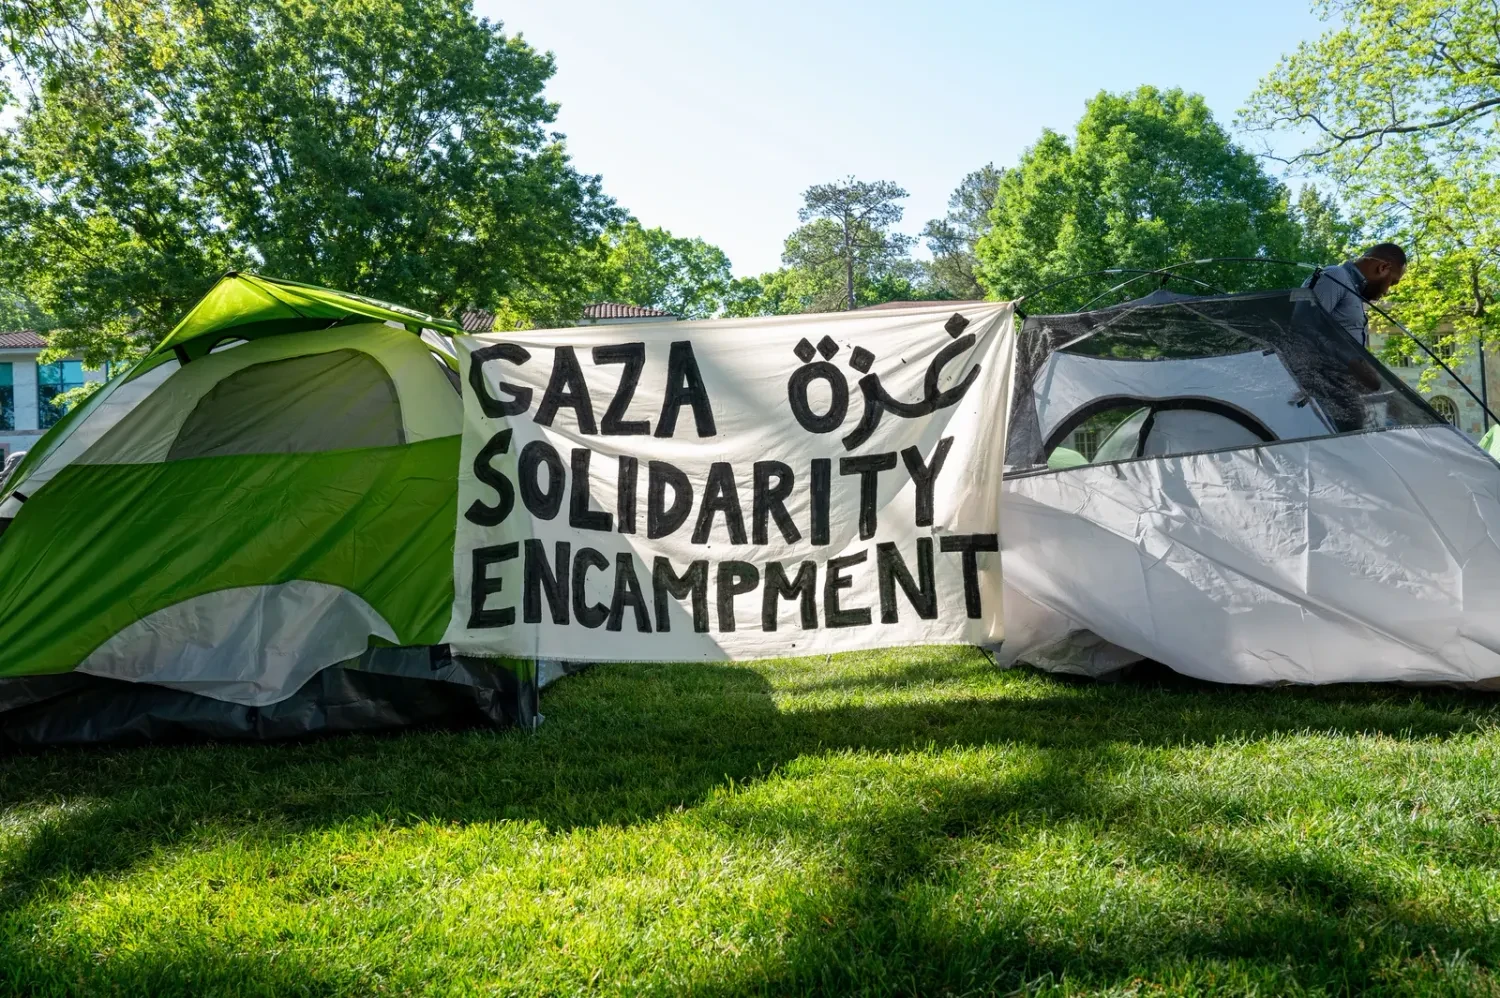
[[672, 500], [698, 490]]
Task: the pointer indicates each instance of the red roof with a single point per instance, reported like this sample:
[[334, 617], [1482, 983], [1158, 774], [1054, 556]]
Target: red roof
[[918, 304], [478, 321], [24, 338], [614, 310], [475, 321]]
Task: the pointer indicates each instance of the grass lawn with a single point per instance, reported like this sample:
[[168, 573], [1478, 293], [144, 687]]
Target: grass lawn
[[912, 822]]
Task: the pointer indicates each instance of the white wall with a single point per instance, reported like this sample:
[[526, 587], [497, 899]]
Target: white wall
[[1471, 417], [23, 378]]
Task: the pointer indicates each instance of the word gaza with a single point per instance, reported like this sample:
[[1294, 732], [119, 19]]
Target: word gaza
[[567, 389]]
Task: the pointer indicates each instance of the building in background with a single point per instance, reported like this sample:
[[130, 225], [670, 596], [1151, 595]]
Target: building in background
[[1442, 391], [605, 313], [27, 389], [608, 313]]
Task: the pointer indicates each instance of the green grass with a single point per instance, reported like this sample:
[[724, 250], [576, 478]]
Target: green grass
[[914, 822]]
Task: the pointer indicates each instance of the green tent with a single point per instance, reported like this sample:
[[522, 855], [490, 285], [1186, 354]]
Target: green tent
[[249, 534], [1490, 442]]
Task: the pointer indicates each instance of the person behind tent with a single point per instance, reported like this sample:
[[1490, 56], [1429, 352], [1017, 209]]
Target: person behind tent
[[1342, 375], [1343, 290]]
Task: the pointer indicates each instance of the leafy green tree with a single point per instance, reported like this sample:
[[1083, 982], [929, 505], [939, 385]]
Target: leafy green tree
[[1149, 179], [397, 148], [795, 289], [844, 255], [652, 267], [28, 27], [1325, 235], [18, 313], [952, 238], [786, 291], [846, 241], [1397, 105]]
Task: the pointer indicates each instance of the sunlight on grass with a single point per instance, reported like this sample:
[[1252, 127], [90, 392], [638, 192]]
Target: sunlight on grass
[[913, 821]]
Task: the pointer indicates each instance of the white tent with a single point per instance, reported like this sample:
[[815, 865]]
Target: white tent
[[1261, 502]]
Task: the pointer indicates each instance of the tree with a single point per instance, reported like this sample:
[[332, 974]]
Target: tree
[[1148, 180], [29, 27], [1397, 104], [843, 256], [952, 238], [1325, 235], [786, 291], [652, 267], [848, 226], [806, 286], [396, 148], [17, 313]]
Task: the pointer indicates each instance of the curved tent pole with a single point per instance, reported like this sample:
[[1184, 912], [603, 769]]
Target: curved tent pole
[[1170, 272], [1166, 276], [1314, 267], [1165, 271], [1384, 314], [1249, 259], [1483, 405], [1436, 359]]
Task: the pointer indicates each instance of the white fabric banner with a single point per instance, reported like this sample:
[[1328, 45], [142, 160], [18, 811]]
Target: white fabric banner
[[733, 489]]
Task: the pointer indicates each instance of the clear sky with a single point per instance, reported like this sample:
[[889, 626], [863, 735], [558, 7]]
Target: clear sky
[[710, 118]]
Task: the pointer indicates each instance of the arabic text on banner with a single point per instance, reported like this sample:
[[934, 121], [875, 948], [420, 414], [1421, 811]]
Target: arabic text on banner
[[733, 489]]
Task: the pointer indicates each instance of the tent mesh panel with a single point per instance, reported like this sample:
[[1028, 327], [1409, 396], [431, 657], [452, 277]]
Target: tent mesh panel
[[1351, 389], [339, 400]]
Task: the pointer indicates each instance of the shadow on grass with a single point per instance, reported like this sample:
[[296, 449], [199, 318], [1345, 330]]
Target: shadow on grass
[[1295, 926], [626, 744]]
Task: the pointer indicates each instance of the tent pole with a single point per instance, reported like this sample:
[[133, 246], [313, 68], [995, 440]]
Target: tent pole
[[1483, 403], [1484, 385]]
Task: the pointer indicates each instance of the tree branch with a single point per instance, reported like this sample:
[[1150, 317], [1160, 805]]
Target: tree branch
[[1341, 139]]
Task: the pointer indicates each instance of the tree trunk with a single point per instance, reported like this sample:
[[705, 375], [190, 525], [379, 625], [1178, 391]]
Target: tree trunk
[[848, 265]]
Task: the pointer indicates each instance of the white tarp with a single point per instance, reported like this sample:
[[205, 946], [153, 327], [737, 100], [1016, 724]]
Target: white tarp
[[1368, 557], [733, 488]]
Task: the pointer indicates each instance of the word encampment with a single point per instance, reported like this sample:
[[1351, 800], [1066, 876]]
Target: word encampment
[[734, 488]]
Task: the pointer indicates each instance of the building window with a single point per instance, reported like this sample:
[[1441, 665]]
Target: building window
[[1445, 407], [7, 398], [51, 381], [1086, 441]]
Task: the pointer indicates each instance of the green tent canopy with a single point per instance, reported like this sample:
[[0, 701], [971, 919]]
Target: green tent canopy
[[247, 306], [248, 534], [1490, 442]]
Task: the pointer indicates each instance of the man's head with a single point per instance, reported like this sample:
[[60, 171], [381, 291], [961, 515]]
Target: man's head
[[1383, 266]]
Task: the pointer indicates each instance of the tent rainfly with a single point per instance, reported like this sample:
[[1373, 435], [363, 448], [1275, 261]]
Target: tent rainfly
[[1233, 487], [247, 535]]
